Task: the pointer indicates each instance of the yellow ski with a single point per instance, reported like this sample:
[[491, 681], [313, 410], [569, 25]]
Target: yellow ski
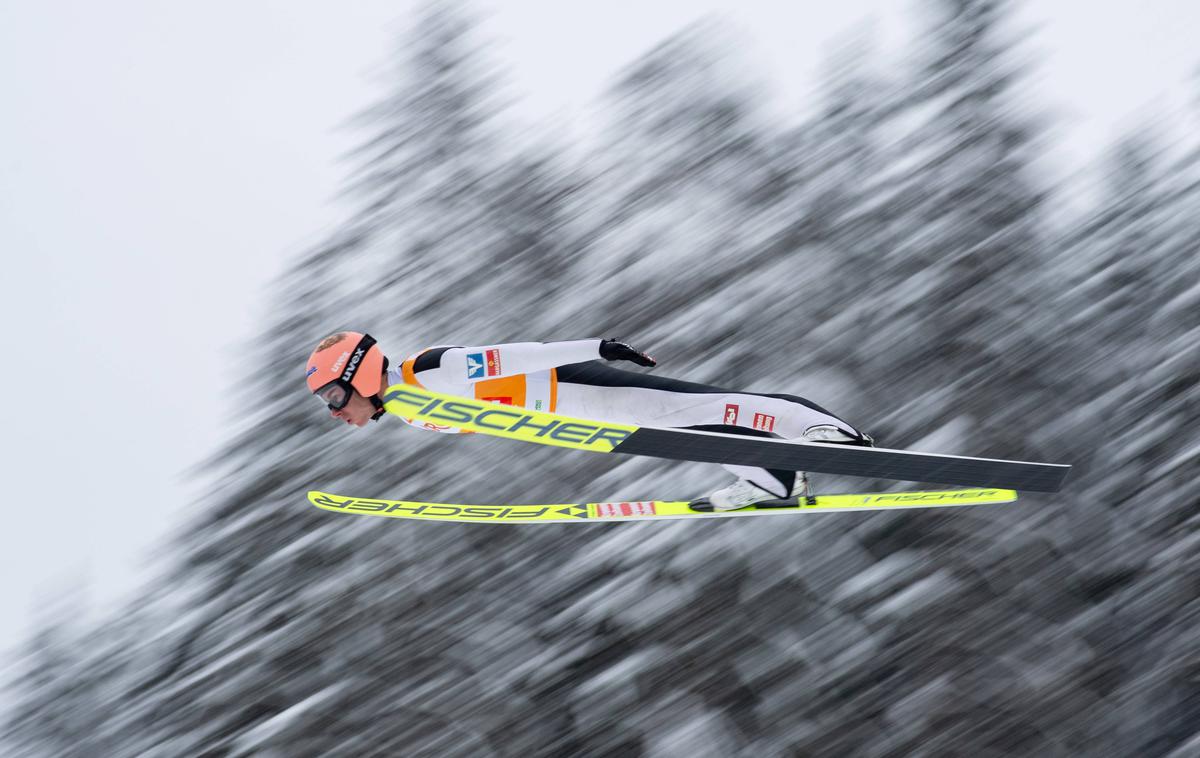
[[650, 510]]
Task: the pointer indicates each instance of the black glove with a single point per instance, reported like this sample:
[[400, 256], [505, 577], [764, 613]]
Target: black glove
[[611, 350]]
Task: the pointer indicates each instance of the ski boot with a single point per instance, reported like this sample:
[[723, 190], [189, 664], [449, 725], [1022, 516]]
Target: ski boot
[[829, 433], [743, 492]]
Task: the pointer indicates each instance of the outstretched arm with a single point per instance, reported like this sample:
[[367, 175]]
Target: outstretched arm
[[474, 364]]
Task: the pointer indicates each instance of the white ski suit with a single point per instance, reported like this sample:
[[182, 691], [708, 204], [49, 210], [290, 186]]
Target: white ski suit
[[568, 378]]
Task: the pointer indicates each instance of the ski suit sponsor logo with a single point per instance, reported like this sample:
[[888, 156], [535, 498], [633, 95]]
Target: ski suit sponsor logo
[[311, 370], [475, 366], [927, 497], [501, 400], [515, 422], [350, 369], [731, 414], [433, 510], [341, 361], [485, 364], [764, 422], [640, 508]]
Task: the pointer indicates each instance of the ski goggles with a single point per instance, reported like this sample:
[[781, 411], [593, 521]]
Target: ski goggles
[[335, 394]]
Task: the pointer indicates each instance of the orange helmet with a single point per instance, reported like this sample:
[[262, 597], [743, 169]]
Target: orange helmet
[[345, 362]]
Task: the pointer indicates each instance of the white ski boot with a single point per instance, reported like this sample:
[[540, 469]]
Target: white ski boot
[[830, 433], [742, 493]]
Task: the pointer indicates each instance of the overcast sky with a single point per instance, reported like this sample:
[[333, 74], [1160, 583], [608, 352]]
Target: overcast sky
[[161, 160]]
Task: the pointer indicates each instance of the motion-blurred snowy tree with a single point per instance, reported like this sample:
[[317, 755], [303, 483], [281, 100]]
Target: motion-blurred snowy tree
[[841, 208], [1140, 317], [1107, 299], [671, 217], [963, 318], [423, 177], [60, 708]]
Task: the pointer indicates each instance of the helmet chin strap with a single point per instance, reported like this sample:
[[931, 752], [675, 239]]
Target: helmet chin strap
[[375, 401]]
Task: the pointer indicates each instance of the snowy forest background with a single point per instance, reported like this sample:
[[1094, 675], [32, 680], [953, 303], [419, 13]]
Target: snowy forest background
[[898, 258]]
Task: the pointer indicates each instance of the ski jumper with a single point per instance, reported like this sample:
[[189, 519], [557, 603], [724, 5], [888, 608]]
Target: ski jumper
[[568, 378]]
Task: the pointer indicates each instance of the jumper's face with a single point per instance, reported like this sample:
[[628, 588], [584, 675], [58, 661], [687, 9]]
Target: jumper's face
[[357, 411]]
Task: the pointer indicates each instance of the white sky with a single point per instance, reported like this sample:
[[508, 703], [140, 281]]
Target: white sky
[[161, 160]]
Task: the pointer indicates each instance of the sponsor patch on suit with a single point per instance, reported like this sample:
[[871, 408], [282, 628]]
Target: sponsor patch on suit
[[731, 414]]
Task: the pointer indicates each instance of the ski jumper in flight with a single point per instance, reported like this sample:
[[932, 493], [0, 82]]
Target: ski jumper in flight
[[349, 373]]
